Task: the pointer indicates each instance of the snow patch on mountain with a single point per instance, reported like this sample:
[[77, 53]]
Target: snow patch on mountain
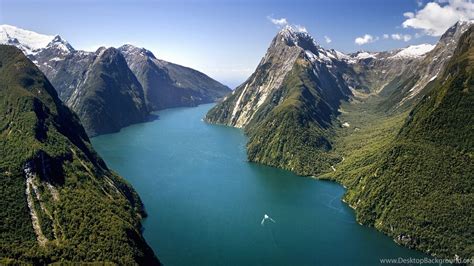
[[28, 41], [296, 35], [341, 55], [131, 50], [414, 51], [365, 55]]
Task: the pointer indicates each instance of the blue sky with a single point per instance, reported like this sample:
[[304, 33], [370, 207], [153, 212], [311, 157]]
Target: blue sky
[[227, 39]]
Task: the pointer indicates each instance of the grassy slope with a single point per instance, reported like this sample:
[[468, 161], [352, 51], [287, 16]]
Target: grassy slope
[[97, 216], [413, 178]]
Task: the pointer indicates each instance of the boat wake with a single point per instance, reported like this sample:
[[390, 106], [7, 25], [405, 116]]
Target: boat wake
[[265, 218]]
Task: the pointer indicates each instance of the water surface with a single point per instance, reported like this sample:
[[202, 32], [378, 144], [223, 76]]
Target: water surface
[[205, 201]]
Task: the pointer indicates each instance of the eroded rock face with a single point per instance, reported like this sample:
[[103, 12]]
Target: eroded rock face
[[265, 84], [268, 77], [413, 83]]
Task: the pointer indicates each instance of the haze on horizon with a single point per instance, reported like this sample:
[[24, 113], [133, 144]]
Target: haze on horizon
[[227, 39]]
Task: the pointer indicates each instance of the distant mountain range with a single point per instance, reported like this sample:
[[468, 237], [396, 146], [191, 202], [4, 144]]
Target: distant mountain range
[[112, 88], [391, 126]]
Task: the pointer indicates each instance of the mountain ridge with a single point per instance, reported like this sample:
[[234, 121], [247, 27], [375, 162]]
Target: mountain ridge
[[167, 84]]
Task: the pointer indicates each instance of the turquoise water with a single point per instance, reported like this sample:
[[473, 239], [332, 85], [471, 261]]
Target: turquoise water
[[205, 201]]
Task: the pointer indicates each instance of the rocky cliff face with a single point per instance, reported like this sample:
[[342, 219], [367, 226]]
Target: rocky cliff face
[[369, 73], [246, 100], [65, 68], [288, 49], [59, 200], [169, 85], [410, 86]]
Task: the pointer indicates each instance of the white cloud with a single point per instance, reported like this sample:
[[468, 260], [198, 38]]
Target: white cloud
[[436, 17], [409, 14], [399, 37], [278, 21], [396, 36], [367, 38], [300, 28], [385, 36], [283, 22], [327, 39]]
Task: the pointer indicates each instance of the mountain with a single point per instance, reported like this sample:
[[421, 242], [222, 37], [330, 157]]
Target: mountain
[[170, 85], [410, 86], [60, 202], [394, 127], [110, 97], [418, 188], [369, 73], [96, 84], [288, 104]]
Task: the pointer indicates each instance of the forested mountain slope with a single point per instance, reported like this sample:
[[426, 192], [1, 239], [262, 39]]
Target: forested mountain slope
[[416, 184], [59, 200]]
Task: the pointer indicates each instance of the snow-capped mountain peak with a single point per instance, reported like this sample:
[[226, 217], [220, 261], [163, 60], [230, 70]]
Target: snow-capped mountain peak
[[28, 41], [294, 30], [298, 36], [60, 44], [130, 49], [364, 55]]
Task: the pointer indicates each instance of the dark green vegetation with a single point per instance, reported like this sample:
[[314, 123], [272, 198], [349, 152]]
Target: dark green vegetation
[[59, 200], [414, 180], [408, 165]]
